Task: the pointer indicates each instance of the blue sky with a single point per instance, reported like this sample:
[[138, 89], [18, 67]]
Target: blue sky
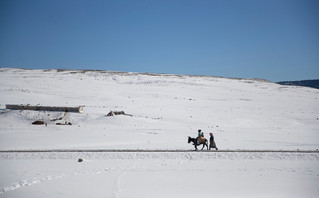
[[271, 39]]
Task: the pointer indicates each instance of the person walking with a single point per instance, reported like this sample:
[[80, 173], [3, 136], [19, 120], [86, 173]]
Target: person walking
[[212, 143]]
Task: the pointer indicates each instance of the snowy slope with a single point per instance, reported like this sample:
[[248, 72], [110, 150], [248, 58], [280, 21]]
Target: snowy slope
[[165, 109]]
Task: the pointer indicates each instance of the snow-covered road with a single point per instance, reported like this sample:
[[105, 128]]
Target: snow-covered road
[[187, 155], [153, 151]]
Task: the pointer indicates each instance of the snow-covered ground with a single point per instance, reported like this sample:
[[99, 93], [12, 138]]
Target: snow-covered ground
[[159, 175], [165, 110]]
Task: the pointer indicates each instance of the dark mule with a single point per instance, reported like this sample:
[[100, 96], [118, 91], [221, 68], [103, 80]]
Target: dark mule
[[194, 140]]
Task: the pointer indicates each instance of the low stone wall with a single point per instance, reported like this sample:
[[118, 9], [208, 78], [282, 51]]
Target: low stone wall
[[45, 108]]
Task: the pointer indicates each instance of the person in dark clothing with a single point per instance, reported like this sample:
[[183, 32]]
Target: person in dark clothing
[[212, 143]]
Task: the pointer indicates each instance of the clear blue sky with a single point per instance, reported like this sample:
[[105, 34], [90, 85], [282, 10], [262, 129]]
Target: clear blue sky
[[271, 39]]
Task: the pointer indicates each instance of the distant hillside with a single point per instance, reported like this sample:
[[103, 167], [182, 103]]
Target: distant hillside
[[305, 83]]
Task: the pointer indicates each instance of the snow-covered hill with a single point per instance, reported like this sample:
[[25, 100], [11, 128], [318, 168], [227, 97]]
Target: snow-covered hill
[[162, 111], [165, 109], [304, 83]]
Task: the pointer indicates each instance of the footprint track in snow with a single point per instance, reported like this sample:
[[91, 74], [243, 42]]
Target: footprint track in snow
[[118, 184], [29, 182]]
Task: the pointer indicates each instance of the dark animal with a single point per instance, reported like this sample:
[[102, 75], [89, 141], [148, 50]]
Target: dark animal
[[194, 140]]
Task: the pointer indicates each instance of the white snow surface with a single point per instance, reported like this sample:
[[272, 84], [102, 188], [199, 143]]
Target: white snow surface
[[163, 111]]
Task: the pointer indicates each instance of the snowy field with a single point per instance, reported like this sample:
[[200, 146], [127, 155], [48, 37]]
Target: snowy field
[[163, 111], [187, 174]]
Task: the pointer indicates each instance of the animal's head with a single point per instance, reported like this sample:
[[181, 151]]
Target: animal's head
[[189, 139]]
